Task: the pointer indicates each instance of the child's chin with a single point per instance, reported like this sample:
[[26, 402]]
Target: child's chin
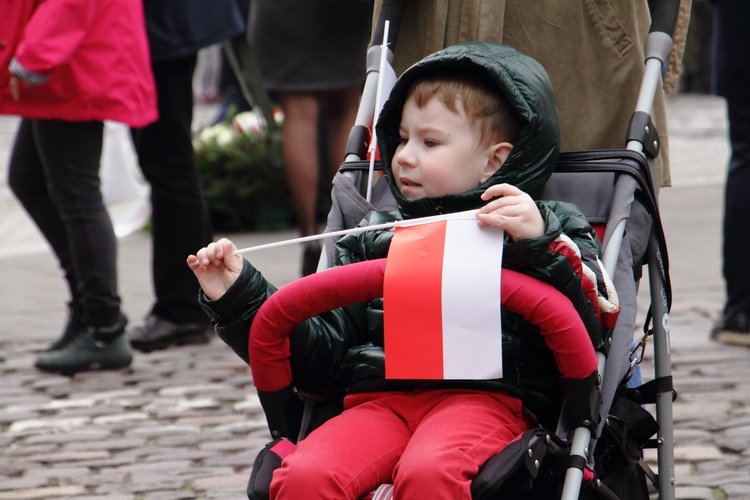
[[412, 194]]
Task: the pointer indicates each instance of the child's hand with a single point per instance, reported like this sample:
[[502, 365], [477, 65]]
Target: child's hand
[[514, 211], [216, 267]]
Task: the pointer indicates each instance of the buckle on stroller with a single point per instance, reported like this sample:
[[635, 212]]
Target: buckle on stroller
[[636, 354], [639, 350]]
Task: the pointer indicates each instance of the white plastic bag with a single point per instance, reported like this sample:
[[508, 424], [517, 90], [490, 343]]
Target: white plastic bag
[[125, 192]]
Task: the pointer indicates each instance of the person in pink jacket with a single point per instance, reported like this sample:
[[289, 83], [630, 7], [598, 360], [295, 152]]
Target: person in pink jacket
[[65, 67]]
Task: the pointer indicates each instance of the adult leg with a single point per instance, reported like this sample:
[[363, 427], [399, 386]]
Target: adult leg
[[349, 455], [736, 246], [458, 432], [300, 152], [180, 221], [28, 182], [341, 112], [70, 153]]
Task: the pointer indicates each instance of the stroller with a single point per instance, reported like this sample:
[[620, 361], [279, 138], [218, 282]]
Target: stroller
[[543, 463]]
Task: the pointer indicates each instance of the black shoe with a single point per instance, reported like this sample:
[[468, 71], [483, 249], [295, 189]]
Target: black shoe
[[155, 333], [732, 329], [90, 349]]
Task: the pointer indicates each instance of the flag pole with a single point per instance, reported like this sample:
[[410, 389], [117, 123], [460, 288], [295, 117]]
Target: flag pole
[[467, 215], [378, 95]]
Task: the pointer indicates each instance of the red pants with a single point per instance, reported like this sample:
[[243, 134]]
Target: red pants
[[429, 444]]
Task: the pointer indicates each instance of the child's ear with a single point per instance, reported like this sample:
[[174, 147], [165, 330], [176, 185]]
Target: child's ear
[[496, 156]]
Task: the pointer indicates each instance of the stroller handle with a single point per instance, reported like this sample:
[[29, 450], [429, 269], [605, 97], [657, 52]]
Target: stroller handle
[[664, 15], [390, 11], [359, 136]]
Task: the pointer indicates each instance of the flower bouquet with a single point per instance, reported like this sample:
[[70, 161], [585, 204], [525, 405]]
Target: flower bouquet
[[242, 170]]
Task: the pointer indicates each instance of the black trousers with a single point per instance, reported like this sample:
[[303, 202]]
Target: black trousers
[[737, 210], [54, 173], [180, 221]]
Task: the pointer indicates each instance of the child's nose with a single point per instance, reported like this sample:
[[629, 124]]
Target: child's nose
[[404, 156]]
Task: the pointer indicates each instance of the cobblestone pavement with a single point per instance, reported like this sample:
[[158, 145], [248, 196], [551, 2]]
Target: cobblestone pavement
[[185, 422]]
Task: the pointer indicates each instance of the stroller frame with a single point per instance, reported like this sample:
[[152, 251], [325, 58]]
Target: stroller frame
[[633, 169]]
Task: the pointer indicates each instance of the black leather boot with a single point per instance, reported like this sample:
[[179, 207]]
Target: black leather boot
[[91, 348]]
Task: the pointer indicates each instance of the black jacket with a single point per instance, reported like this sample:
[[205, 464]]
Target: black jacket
[[179, 28]]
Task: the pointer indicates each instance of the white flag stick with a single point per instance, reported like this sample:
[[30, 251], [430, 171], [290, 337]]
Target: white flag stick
[[469, 214], [378, 94]]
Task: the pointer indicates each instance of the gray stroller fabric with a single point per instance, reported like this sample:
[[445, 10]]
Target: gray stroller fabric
[[594, 195], [349, 206]]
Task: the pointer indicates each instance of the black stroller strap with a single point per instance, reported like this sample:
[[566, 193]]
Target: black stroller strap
[[656, 387], [573, 461], [358, 166], [632, 163]]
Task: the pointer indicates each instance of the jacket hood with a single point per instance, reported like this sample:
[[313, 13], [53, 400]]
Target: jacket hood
[[527, 88]]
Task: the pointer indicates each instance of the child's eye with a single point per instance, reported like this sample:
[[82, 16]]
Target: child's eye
[[403, 140], [429, 143]]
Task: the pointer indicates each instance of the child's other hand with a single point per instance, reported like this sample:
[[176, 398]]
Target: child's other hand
[[514, 211], [216, 267]]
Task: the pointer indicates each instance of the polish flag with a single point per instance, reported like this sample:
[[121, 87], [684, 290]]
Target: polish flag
[[441, 299]]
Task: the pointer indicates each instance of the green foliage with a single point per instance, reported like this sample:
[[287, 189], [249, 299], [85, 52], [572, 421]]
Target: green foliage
[[243, 175]]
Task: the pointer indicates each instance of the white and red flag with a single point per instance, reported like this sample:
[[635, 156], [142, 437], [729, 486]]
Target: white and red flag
[[442, 301]]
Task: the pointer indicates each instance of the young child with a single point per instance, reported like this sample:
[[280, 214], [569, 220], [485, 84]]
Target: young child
[[472, 126]]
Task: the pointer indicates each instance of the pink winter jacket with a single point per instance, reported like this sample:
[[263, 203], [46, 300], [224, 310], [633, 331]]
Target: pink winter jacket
[[91, 55]]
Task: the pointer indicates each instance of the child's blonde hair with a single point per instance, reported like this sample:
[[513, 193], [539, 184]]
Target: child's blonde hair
[[483, 103]]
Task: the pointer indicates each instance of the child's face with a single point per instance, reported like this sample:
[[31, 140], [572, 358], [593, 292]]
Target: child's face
[[439, 152]]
